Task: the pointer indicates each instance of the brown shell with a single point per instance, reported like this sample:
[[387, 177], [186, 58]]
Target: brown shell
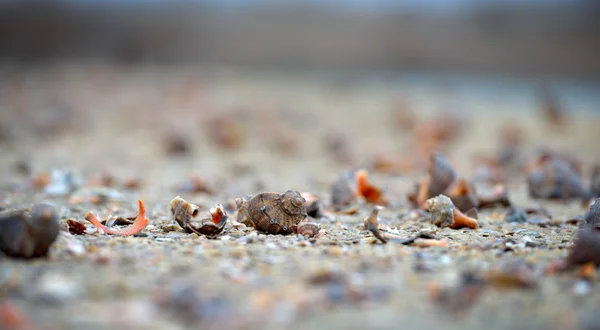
[[586, 248], [343, 190], [183, 212], [595, 185], [29, 235], [308, 229], [313, 207], [442, 211], [592, 217], [463, 195], [371, 224], [554, 178], [243, 215], [441, 174], [276, 213]]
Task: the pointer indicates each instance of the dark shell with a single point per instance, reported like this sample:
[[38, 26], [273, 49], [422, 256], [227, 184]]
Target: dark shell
[[313, 205], [207, 227], [441, 175], [343, 190], [595, 185], [463, 195], [243, 215], [29, 235], [275, 213], [555, 179], [586, 248], [592, 217]]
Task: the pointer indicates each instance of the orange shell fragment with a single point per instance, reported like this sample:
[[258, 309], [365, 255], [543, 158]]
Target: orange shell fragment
[[140, 223], [364, 188]]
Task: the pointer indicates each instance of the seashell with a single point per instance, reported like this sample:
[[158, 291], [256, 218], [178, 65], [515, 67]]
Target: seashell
[[489, 196], [553, 178], [313, 207], [595, 182], [212, 226], [440, 176], [343, 190], [585, 249], [592, 217], [30, 235], [276, 213], [368, 191], [183, 212], [139, 223], [372, 225], [242, 213], [307, 229], [444, 214], [463, 195]]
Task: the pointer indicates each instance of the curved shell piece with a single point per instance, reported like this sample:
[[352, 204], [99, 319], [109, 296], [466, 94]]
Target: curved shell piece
[[212, 226], [183, 211], [441, 174], [276, 213]]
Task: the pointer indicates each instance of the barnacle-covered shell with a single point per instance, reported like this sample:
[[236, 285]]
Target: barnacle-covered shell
[[277, 213], [463, 195], [554, 178], [442, 211], [592, 217], [183, 212], [343, 190], [30, 235]]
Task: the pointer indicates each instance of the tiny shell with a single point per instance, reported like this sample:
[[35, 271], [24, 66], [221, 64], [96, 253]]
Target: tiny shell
[[444, 214], [308, 229], [371, 224]]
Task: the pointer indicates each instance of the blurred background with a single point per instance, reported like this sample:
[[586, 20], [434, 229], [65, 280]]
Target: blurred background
[[292, 80], [534, 36]]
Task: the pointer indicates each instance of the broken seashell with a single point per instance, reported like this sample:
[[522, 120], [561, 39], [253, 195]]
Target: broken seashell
[[369, 192], [140, 223], [444, 214], [372, 225]]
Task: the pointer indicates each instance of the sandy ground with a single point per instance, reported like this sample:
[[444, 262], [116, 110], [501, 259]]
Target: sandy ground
[[97, 118]]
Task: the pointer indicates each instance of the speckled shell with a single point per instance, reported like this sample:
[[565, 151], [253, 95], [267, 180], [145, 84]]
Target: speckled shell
[[555, 179], [275, 213], [442, 210], [243, 215], [441, 175], [592, 217], [29, 235], [343, 190]]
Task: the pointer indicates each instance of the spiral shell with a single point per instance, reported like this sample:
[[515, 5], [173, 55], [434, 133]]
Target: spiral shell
[[442, 211], [276, 213]]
